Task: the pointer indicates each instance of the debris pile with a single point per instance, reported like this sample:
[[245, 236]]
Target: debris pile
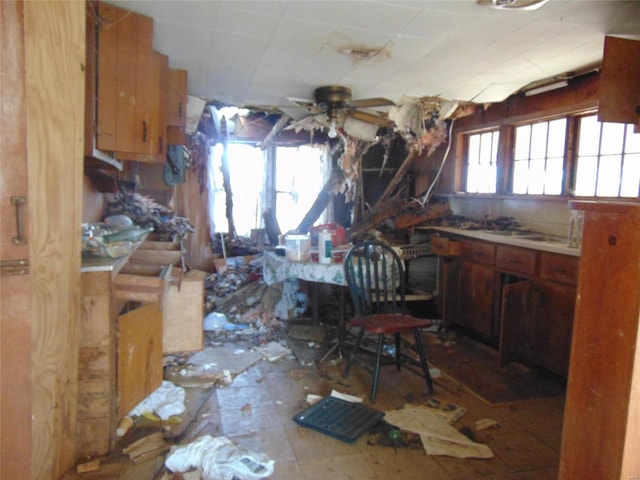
[[146, 212]]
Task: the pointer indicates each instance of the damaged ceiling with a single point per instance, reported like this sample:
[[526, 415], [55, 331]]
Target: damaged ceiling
[[263, 52]]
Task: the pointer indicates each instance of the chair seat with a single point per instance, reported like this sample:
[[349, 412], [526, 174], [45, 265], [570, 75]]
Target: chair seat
[[389, 323]]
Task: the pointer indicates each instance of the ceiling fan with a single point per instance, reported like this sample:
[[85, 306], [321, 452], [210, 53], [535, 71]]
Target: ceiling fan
[[332, 107]]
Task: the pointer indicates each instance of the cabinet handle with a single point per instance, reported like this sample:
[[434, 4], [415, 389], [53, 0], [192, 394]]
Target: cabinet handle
[[160, 144], [19, 239], [180, 109], [144, 131]]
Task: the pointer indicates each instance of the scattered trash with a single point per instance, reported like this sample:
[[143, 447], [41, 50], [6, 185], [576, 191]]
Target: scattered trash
[[215, 321], [123, 426], [485, 423], [437, 435], [219, 459], [91, 466], [272, 351], [346, 396], [313, 398], [146, 448], [166, 401]]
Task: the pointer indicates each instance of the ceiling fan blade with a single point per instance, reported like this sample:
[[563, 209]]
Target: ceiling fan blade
[[371, 102], [370, 118]]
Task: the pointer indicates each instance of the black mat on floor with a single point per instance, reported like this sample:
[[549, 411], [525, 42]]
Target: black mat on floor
[[337, 418]]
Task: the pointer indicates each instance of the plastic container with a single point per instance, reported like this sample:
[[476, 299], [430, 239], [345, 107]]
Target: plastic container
[[297, 247], [576, 222], [324, 247]]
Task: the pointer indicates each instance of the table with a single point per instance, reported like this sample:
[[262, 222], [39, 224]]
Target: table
[[278, 269]]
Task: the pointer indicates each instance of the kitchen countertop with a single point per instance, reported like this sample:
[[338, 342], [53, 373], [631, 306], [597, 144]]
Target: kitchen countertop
[[532, 240]]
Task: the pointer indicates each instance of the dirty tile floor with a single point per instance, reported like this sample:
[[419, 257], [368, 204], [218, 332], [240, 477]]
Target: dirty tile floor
[[255, 412]]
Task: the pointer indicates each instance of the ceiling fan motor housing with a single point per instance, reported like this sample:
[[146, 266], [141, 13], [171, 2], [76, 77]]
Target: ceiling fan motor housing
[[333, 97]]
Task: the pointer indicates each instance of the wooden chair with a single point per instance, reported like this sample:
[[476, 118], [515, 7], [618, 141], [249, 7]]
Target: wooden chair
[[374, 274]]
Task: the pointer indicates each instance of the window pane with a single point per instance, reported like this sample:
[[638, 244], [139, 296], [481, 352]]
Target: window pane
[[520, 174], [586, 176], [612, 138], [609, 176], [589, 136], [539, 147], [557, 133], [554, 175], [482, 151], [630, 176], [538, 140], [536, 177], [632, 144], [522, 142]]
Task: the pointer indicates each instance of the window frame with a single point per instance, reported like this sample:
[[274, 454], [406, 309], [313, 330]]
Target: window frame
[[506, 154]]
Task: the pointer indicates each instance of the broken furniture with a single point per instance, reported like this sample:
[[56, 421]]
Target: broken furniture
[[375, 276], [120, 359]]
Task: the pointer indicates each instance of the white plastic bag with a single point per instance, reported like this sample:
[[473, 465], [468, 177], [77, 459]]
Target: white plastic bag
[[166, 401], [219, 459]]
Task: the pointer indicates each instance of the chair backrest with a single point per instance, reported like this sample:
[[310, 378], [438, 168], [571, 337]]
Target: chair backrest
[[375, 276]]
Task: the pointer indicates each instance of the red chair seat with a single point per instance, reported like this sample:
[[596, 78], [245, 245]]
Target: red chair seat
[[389, 323]]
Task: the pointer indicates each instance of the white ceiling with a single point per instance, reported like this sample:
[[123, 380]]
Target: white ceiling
[[260, 52]]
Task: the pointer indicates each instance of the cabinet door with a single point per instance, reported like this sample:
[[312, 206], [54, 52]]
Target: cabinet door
[[553, 324], [125, 72], [139, 355], [177, 101], [476, 297], [515, 322]]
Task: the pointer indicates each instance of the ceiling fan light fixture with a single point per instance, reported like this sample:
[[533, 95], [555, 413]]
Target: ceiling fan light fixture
[[333, 133]]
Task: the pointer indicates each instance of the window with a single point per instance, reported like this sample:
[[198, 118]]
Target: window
[[246, 173], [299, 179], [608, 163], [482, 152], [539, 158], [575, 154]]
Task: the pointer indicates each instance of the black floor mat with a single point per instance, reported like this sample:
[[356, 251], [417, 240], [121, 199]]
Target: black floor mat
[[337, 418]]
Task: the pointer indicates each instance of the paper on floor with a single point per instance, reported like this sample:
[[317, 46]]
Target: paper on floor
[[272, 351], [166, 401], [438, 437]]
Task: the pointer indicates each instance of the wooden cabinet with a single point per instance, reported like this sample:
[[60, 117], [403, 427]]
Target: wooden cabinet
[[477, 286], [132, 87], [177, 107], [518, 299], [620, 81], [601, 429]]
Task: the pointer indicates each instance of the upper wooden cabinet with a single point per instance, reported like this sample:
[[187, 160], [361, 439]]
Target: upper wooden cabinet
[[620, 81], [177, 98], [128, 116]]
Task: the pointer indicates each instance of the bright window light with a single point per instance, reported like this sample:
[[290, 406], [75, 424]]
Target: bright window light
[[482, 153]]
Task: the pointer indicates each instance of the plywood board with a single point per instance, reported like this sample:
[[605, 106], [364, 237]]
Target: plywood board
[[139, 356], [182, 324]]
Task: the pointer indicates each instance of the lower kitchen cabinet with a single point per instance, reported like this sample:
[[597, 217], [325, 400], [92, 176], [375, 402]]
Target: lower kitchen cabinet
[[477, 287], [519, 299]]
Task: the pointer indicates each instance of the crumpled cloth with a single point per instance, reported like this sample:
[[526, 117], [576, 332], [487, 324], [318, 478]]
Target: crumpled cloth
[[219, 459]]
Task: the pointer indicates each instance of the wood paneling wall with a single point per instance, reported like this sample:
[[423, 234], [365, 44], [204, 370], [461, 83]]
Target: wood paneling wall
[[55, 88]]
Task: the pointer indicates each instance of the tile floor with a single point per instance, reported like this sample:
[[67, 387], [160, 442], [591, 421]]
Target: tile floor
[[255, 412]]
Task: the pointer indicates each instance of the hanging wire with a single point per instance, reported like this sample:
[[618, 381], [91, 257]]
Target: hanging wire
[[425, 199]]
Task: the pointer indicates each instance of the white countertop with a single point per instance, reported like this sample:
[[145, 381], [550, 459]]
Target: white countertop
[[549, 244]]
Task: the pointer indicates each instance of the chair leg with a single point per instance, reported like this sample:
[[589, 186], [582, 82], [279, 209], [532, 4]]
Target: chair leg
[[376, 372], [423, 360], [352, 357]]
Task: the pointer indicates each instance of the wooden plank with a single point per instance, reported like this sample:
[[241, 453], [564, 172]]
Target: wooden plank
[[107, 87], [15, 290], [183, 315], [55, 99], [159, 257], [92, 436], [139, 356]]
